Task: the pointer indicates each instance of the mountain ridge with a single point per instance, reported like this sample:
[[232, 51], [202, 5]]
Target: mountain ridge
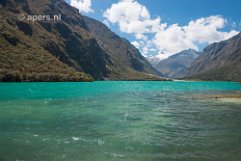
[[176, 66], [220, 61], [122, 53]]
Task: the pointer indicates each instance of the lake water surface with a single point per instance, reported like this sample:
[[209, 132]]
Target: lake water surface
[[119, 121]]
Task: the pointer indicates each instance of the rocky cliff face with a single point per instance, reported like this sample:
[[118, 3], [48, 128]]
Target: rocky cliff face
[[176, 66], [220, 61], [127, 61], [69, 42]]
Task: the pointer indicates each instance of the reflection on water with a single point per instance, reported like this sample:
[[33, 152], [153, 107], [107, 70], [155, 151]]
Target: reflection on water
[[126, 121]]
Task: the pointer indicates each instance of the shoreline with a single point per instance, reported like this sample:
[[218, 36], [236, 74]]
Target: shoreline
[[224, 98], [114, 80]]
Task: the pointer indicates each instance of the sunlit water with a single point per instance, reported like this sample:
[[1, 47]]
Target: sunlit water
[[119, 121]]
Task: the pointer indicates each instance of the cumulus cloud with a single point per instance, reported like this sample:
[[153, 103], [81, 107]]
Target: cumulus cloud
[[175, 38], [132, 17], [154, 37], [84, 6], [207, 30]]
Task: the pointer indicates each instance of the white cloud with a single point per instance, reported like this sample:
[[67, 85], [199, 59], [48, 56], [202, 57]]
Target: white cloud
[[134, 18], [84, 6], [207, 30], [131, 17], [161, 56], [136, 44], [172, 40], [107, 23]]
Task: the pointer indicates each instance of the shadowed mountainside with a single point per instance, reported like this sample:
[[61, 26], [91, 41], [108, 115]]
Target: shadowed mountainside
[[176, 66], [220, 61], [128, 63]]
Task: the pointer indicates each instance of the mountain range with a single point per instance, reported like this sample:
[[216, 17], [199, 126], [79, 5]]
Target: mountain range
[[77, 48], [177, 66], [219, 61]]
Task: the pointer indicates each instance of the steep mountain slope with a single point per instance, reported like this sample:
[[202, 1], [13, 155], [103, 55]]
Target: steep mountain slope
[[128, 63], [22, 58], [176, 66], [67, 44], [220, 61]]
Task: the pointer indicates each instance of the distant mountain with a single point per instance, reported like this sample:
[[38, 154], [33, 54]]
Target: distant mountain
[[127, 61], [176, 66], [153, 60], [220, 61], [61, 50]]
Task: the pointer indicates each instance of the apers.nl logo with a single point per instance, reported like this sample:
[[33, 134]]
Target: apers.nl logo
[[34, 18]]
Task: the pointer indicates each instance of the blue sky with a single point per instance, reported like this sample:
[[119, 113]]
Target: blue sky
[[179, 11], [217, 19]]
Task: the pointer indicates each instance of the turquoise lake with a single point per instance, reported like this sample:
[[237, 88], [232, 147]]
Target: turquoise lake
[[119, 121]]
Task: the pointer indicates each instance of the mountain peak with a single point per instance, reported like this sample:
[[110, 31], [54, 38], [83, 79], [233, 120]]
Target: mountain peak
[[176, 65], [220, 61]]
